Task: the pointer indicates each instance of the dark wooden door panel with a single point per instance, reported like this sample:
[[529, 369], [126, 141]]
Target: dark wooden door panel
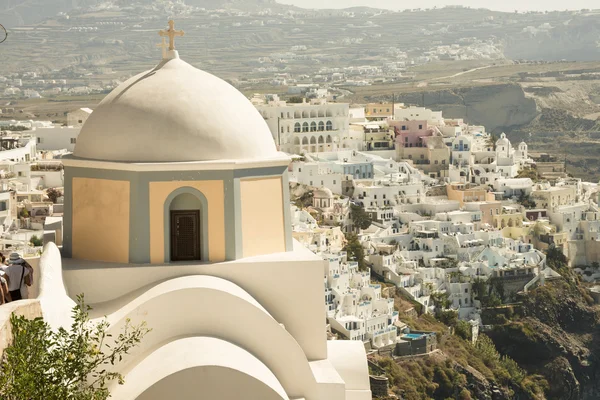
[[185, 235]]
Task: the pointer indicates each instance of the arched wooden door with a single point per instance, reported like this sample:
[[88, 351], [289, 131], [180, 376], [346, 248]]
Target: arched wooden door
[[185, 235]]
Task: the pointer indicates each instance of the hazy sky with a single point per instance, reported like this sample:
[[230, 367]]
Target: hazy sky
[[500, 5]]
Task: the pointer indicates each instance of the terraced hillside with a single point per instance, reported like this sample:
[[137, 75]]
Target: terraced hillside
[[233, 41]]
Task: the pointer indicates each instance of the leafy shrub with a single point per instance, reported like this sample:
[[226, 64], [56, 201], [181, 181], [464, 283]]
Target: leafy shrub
[[463, 330], [45, 364], [53, 194], [36, 241]]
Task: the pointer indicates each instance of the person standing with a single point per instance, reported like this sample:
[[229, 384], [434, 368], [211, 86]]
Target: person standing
[[18, 275], [4, 293]]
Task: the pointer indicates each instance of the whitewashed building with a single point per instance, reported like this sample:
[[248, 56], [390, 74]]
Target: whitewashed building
[[317, 126]]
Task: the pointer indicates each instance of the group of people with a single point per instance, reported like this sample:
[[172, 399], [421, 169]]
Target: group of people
[[16, 275]]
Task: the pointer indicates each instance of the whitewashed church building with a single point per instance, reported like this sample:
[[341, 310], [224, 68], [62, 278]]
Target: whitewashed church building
[[178, 215]]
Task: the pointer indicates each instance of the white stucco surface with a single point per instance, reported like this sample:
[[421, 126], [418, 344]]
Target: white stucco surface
[[237, 302], [289, 285], [175, 112], [348, 358], [209, 306], [221, 372], [56, 304]]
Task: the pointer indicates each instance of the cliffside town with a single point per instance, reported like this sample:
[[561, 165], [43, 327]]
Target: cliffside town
[[447, 250], [459, 224]]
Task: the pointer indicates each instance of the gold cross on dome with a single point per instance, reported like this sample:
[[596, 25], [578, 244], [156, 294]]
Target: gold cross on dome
[[163, 46], [171, 33]]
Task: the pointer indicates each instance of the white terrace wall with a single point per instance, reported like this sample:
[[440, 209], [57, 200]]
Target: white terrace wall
[[28, 308]]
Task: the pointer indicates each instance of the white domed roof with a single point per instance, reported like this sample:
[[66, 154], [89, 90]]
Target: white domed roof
[[502, 141], [323, 193], [175, 113]]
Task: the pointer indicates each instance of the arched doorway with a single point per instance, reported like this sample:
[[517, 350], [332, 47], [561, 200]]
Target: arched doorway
[[186, 226]]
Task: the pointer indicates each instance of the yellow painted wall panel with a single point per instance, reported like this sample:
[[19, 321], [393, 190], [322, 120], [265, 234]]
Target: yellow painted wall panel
[[262, 216], [101, 220], [213, 191]]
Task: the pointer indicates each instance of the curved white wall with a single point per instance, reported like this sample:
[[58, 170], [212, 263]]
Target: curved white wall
[[199, 305], [200, 367]]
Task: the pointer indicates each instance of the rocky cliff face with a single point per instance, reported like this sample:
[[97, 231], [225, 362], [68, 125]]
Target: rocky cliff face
[[497, 107], [558, 337]]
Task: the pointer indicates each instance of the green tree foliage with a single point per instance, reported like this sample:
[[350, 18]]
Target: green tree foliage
[[53, 194], [479, 288], [463, 330], [530, 173], [448, 317], [499, 290], [14, 128], [305, 200], [42, 364], [556, 260], [464, 395], [355, 250], [526, 201], [359, 217], [295, 99], [517, 374], [450, 382], [482, 291], [35, 241], [491, 141], [441, 300], [487, 350]]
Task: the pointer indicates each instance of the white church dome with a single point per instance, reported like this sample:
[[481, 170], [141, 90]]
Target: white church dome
[[323, 193], [175, 113], [503, 141]]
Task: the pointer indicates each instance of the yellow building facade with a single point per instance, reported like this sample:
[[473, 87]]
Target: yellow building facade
[[121, 216]]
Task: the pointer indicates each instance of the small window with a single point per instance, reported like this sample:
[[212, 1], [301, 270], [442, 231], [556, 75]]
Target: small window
[[299, 169], [81, 121], [420, 126], [73, 140]]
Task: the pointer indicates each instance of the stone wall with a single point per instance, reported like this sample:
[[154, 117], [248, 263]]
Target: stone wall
[[28, 308], [515, 283], [379, 386]]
